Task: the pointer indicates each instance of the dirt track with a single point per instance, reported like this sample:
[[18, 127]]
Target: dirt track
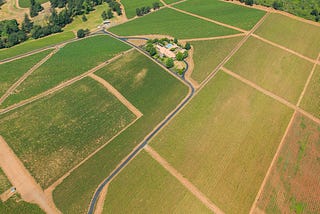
[[25, 76], [270, 94], [188, 73], [213, 38], [117, 94], [185, 182], [20, 178], [61, 86]]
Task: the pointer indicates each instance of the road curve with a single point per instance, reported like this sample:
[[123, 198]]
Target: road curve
[[136, 151]]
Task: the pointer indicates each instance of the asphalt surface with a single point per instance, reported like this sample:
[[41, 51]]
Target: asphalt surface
[[150, 136]]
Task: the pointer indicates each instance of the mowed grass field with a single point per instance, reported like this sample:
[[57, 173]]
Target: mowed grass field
[[235, 15], [155, 93], [10, 72], [294, 183], [170, 22], [72, 60], [130, 6], [299, 36], [233, 133], [311, 99], [208, 54], [143, 184], [94, 19], [34, 44], [15, 205], [52, 135], [272, 68]]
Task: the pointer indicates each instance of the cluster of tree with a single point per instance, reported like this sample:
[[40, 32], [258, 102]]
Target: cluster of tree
[[11, 34], [58, 3], [107, 15], [151, 49], [82, 33], [181, 56], [115, 6], [35, 8], [145, 10], [316, 14], [306, 9]]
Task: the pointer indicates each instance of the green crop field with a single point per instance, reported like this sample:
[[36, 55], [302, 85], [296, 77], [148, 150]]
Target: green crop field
[[235, 15], [299, 36], [15, 205], [130, 6], [208, 54], [10, 72], [293, 185], [229, 152], [155, 93], [34, 44], [171, 1], [311, 99], [138, 189], [72, 60], [26, 3], [66, 127], [272, 68], [169, 22]]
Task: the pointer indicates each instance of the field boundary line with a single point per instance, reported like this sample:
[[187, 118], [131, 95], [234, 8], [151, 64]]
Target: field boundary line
[[213, 38], [285, 49], [26, 75], [22, 180], [254, 205], [308, 81], [184, 181], [270, 94], [117, 94], [48, 191], [233, 51], [207, 19], [61, 85]]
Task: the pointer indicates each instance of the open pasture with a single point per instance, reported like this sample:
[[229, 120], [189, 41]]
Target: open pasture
[[272, 68], [130, 6], [293, 34], [170, 22], [294, 184], [143, 184], [66, 127], [229, 152], [311, 99], [149, 88], [72, 60], [10, 72], [33, 44], [208, 54], [231, 14]]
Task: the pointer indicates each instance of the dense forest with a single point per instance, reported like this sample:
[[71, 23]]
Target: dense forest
[[13, 33]]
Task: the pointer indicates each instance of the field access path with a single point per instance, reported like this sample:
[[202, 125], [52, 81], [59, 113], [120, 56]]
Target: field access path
[[162, 124], [22, 180]]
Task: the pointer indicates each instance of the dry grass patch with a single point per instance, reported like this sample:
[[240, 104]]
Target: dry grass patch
[[296, 35], [272, 68], [294, 183]]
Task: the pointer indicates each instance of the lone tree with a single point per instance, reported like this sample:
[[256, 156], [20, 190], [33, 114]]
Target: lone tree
[[84, 18], [169, 63], [175, 40], [248, 2], [82, 33], [109, 14], [26, 24], [187, 46]]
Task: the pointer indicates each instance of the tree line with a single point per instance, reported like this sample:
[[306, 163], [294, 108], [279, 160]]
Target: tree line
[[146, 9], [13, 33]]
